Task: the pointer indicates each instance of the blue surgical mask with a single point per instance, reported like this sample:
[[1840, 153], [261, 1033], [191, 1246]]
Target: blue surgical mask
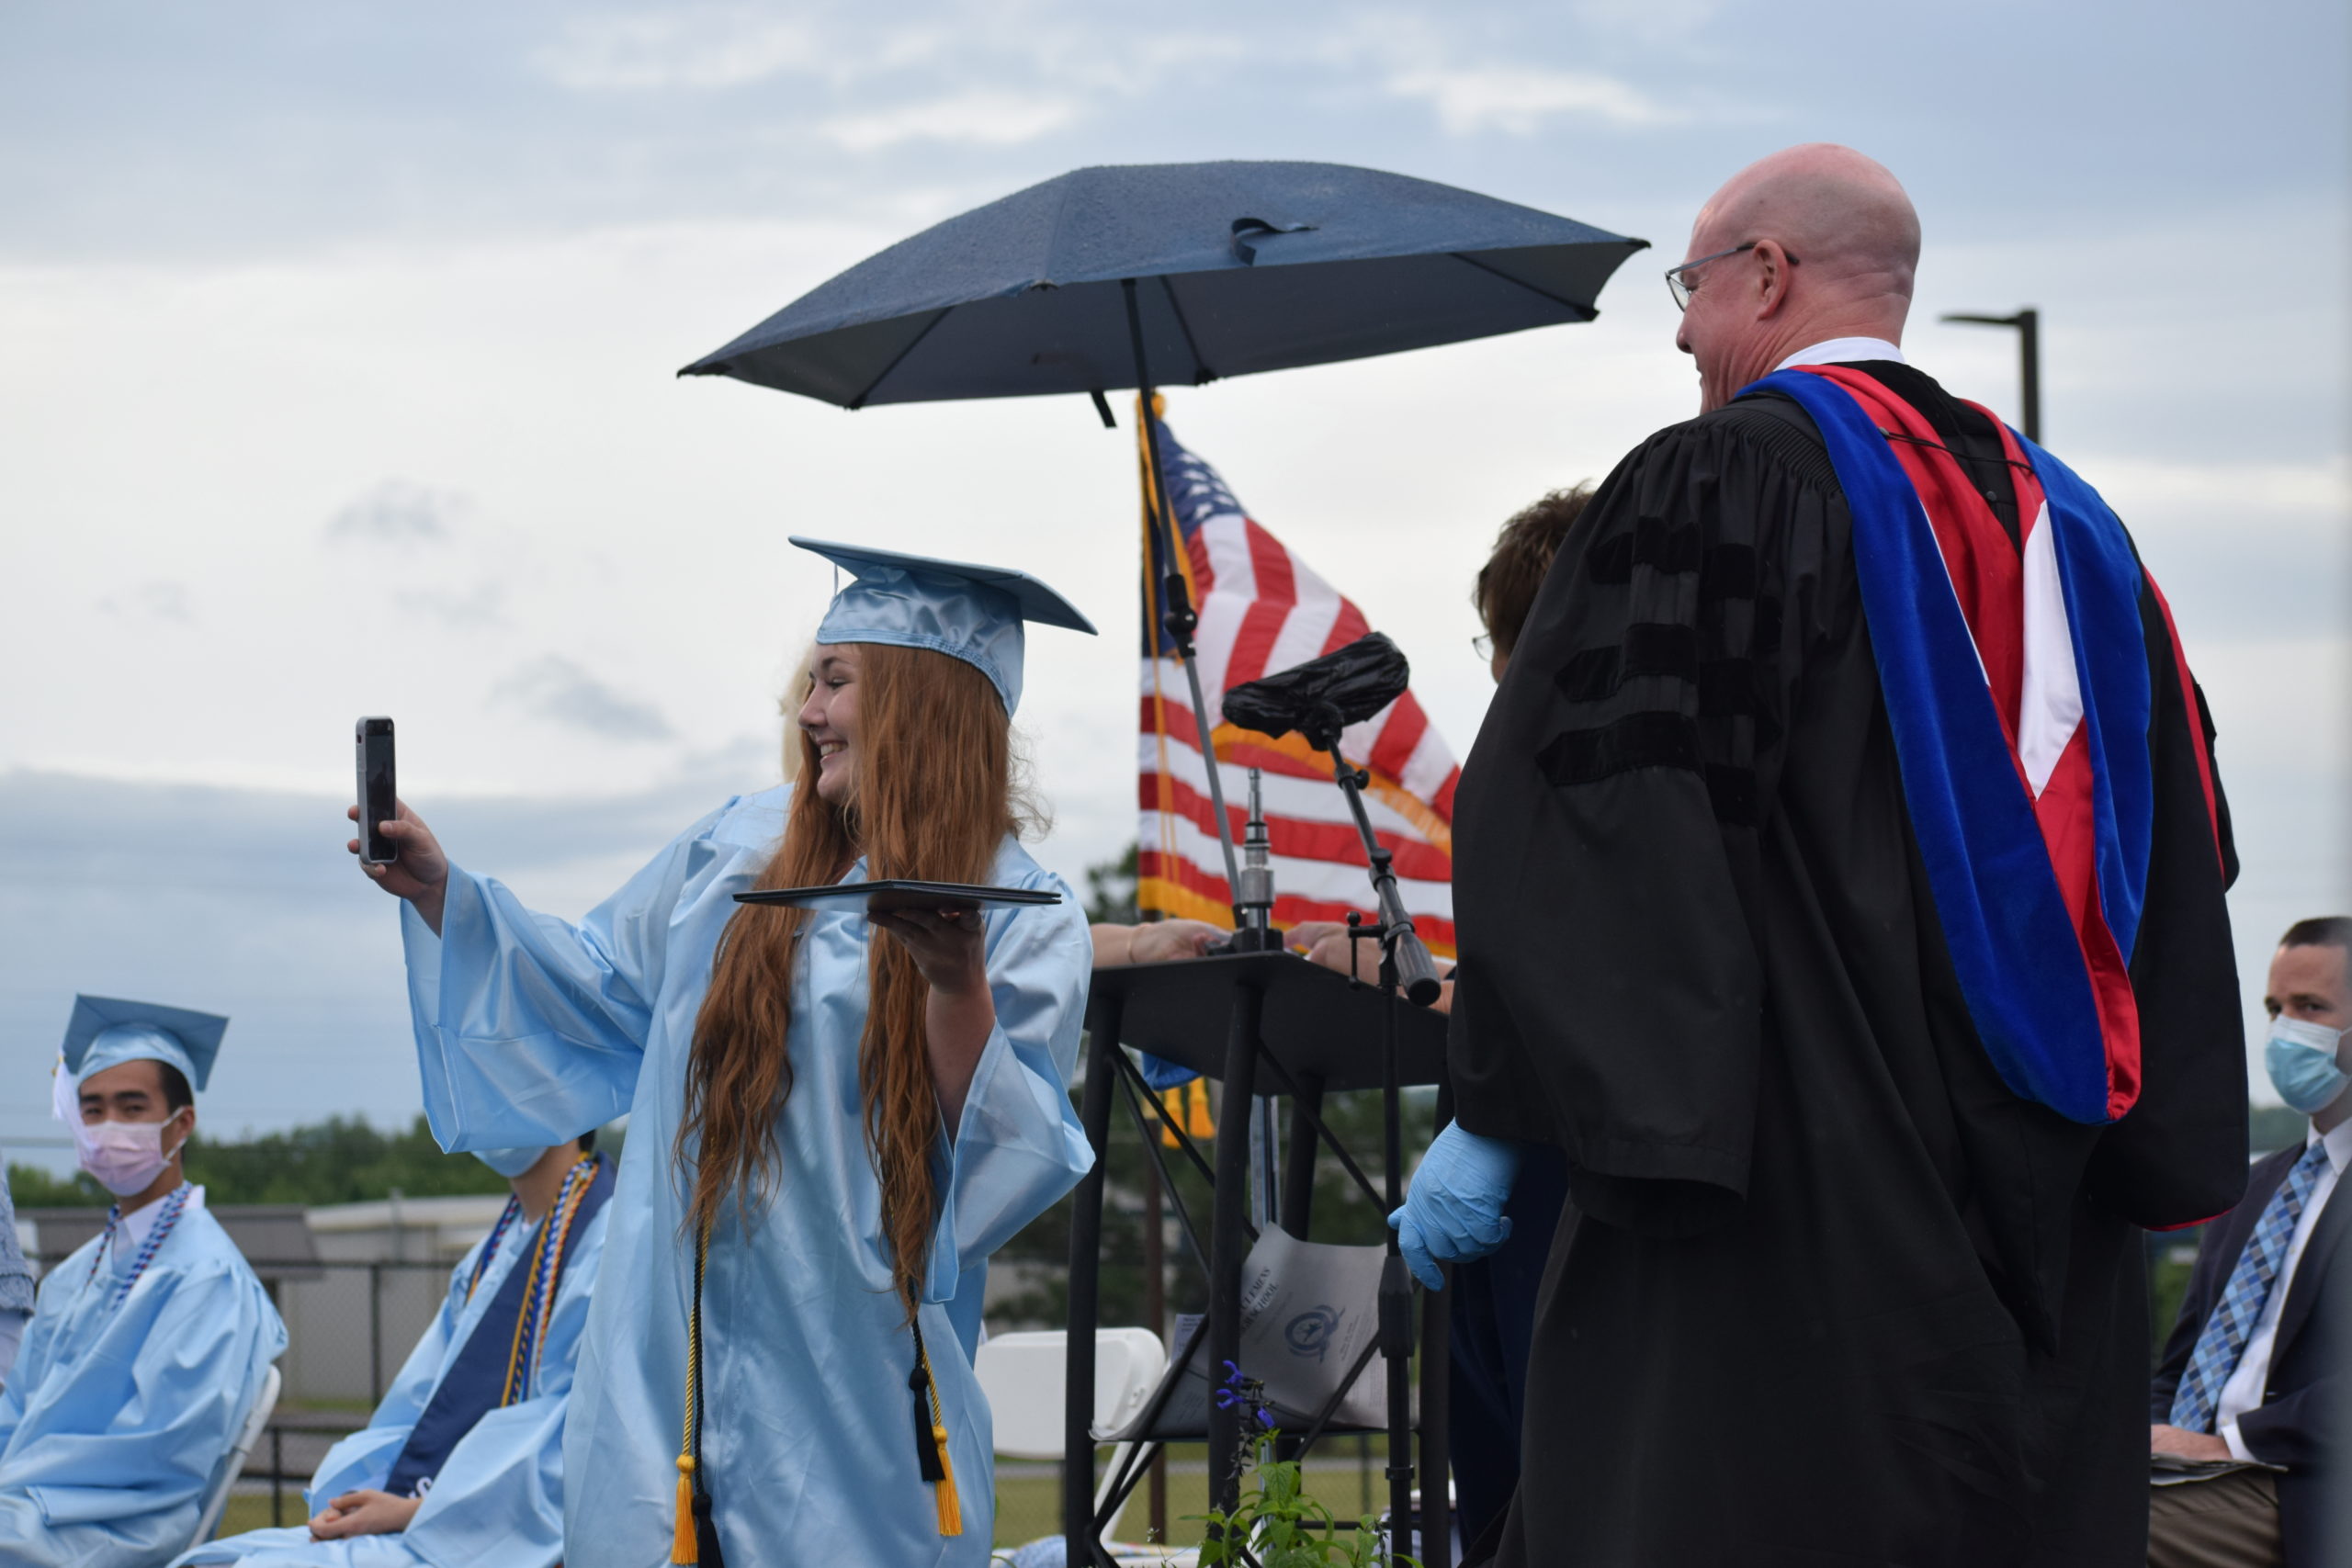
[[509, 1163], [2300, 1056]]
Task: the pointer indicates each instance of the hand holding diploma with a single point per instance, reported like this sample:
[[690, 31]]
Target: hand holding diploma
[[949, 947]]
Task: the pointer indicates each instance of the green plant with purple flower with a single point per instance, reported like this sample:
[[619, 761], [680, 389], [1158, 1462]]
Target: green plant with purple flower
[[1275, 1524]]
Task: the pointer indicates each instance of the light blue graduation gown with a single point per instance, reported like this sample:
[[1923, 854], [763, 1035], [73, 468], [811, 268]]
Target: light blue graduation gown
[[499, 1495], [532, 1030], [117, 1418]]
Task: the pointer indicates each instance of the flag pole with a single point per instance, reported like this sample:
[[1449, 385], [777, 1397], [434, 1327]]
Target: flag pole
[[1180, 620]]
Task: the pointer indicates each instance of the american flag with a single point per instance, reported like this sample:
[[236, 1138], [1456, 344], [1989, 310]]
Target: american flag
[[1263, 609]]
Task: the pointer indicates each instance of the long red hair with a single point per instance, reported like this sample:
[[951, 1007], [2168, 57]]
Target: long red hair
[[933, 798]]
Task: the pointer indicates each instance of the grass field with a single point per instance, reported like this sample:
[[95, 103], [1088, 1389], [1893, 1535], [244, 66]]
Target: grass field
[[1028, 1498]]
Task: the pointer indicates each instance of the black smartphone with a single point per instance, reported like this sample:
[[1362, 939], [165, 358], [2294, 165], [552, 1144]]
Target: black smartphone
[[378, 797]]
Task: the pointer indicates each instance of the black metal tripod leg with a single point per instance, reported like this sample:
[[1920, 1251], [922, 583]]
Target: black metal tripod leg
[[1085, 1279], [1299, 1174], [1228, 1235], [1437, 1505]]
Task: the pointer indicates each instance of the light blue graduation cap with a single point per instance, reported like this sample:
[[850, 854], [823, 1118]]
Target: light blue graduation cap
[[967, 612], [106, 1031]]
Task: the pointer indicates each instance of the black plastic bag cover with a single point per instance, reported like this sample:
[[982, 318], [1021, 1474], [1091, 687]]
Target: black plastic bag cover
[[1324, 695]]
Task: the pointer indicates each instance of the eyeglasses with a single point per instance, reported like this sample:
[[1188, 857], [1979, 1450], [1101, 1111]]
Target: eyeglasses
[[1483, 645], [1682, 285]]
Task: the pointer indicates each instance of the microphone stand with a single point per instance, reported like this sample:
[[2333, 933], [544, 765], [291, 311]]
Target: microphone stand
[[1416, 971], [1404, 966]]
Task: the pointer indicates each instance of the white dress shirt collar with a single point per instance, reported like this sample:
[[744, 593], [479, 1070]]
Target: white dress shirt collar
[[131, 1234], [2339, 1144], [1844, 351]]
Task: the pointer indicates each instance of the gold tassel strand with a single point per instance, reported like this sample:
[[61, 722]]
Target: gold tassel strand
[[932, 1445], [685, 1547], [682, 1538]]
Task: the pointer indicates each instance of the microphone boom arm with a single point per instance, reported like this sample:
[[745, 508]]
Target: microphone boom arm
[[1416, 970]]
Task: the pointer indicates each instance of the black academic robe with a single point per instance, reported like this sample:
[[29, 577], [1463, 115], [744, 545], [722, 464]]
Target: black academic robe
[[1836, 1295]]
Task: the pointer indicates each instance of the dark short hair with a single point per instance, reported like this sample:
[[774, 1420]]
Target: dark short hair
[[177, 1095], [1523, 551], [2321, 931]]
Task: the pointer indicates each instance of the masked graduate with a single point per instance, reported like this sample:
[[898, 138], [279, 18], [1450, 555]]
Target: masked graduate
[[463, 1462], [835, 1120], [1839, 874], [148, 1345]]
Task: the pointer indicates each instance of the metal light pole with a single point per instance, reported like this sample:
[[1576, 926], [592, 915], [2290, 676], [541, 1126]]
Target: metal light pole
[[2027, 323]]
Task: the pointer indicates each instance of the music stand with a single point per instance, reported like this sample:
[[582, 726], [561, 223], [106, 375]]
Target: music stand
[[1309, 1030]]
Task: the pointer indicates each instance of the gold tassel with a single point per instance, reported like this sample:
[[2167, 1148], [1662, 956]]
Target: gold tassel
[[943, 1490], [686, 1545], [681, 1539], [951, 1507], [1185, 1106]]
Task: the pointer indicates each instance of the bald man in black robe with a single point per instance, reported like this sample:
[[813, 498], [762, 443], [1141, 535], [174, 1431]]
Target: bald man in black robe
[[1840, 1296]]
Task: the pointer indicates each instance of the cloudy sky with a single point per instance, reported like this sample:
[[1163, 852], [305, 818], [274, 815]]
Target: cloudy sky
[[336, 346]]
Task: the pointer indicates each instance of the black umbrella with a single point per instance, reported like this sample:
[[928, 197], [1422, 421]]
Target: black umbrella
[[1087, 282], [1244, 268]]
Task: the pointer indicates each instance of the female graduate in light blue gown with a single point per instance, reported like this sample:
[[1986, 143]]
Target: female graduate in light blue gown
[[150, 1342], [495, 1493], [838, 1126]]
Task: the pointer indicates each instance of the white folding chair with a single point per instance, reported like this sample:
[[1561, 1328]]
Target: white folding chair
[[233, 1463], [1023, 1376]]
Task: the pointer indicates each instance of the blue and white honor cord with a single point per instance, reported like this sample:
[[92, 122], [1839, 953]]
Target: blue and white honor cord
[[545, 1262], [488, 1252], [174, 1202]]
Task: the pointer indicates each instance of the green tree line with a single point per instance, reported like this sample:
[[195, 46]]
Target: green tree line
[[344, 1159]]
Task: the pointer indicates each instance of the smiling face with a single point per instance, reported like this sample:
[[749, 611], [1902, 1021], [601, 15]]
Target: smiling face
[[1726, 328], [829, 718]]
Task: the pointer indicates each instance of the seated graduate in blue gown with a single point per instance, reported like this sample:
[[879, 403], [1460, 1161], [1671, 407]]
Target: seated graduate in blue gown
[[463, 1462], [148, 1345], [832, 1129]]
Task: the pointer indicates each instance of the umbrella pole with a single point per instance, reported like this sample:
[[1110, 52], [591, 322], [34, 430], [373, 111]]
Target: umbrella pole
[[1181, 618]]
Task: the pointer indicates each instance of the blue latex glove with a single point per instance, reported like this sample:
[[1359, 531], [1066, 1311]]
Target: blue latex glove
[[1454, 1211]]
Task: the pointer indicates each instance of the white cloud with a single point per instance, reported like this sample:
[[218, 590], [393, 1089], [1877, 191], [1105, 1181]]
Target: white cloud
[[2321, 490], [553, 688], [695, 47], [1655, 23], [1518, 99], [484, 606], [396, 510], [154, 600], [987, 119]]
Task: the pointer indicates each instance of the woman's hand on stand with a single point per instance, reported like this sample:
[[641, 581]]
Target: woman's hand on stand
[[421, 875]]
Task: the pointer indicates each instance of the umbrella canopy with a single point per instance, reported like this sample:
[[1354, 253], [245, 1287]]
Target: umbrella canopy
[[1244, 267]]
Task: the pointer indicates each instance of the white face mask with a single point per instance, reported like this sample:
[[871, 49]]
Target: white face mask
[[509, 1163], [124, 1157]]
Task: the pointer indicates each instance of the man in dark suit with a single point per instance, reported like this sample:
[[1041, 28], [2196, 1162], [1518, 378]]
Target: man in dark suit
[[2255, 1371]]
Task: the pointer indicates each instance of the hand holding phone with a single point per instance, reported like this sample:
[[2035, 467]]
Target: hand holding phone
[[396, 850]]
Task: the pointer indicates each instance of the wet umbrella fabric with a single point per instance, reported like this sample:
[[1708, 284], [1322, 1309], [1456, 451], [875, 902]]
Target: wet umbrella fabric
[[1245, 267]]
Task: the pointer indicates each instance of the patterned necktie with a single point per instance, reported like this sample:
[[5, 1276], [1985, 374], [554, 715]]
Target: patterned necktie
[[2232, 1325]]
